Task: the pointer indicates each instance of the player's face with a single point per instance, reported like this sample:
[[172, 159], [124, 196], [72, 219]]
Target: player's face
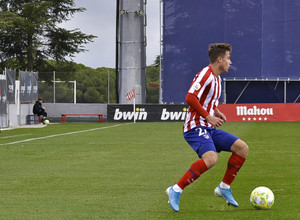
[[225, 62]]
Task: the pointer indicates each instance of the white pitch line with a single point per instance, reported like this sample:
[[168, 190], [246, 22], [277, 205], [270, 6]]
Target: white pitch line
[[17, 135], [57, 135]]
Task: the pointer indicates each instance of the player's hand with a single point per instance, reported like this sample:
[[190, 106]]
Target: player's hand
[[220, 115], [214, 121]]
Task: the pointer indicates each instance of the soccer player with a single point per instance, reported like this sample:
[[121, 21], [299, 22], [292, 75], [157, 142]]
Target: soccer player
[[200, 129]]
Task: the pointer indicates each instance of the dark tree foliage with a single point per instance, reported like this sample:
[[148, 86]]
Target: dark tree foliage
[[30, 33]]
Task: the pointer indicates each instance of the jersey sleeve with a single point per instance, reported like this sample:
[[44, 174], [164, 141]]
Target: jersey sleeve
[[194, 103], [201, 80]]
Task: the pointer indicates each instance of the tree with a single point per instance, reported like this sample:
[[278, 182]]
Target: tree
[[29, 32], [152, 78], [157, 61]]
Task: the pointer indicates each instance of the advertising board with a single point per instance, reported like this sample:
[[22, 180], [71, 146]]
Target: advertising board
[[178, 112]]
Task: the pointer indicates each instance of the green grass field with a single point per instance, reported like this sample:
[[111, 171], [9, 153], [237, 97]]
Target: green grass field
[[112, 171]]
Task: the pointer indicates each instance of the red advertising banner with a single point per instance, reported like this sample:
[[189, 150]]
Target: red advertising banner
[[261, 112]]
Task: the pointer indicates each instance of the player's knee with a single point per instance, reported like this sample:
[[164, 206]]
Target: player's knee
[[210, 158], [244, 149], [241, 148]]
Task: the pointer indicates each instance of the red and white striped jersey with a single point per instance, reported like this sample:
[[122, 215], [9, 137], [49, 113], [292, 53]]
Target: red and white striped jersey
[[207, 87]]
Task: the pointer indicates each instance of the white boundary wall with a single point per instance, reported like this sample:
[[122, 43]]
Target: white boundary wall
[[17, 115], [56, 109], [17, 112]]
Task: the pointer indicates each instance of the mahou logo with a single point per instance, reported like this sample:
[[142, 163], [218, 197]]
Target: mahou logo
[[173, 116], [139, 114], [243, 110]]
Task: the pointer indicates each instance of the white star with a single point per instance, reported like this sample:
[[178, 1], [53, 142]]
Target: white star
[[249, 119], [244, 119], [254, 119], [259, 118], [265, 118]]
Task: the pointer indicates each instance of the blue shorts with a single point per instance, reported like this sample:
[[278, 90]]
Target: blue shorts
[[203, 139]]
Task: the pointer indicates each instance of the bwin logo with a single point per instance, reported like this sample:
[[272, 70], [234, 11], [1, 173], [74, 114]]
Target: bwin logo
[[174, 116], [139, 114]]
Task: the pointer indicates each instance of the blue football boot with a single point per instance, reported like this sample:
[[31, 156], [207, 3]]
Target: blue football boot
[[227, 195], [173, 198]]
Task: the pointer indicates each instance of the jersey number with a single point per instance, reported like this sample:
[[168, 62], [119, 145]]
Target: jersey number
[[201, 131]]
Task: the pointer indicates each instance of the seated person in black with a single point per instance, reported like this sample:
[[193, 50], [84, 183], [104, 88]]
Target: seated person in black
[[38, 109]]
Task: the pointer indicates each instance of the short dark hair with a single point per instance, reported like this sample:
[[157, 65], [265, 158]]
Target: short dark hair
[[40, 98], [218, 49]]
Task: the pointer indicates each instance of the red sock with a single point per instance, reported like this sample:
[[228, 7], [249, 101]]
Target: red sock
[[192, 174], [235, 162]]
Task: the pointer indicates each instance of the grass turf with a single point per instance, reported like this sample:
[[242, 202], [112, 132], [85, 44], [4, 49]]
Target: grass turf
[[122, 172]]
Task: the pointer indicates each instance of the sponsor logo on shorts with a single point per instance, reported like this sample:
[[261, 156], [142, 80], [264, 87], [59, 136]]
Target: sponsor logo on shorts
[[206, 136]]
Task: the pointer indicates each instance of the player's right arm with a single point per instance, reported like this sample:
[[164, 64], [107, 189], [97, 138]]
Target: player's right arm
[[192, 101]]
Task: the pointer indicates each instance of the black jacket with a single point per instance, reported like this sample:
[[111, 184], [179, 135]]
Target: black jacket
[[37, 107]]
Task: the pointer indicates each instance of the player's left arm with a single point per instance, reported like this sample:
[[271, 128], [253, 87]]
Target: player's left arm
[[219, 114]]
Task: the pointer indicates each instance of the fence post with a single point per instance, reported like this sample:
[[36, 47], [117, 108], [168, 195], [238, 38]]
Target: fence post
[[75, 87], [53, 86], [108, 79]]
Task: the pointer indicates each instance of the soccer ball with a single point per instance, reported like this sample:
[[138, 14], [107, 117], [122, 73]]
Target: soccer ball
[[46, 122], [262, 198]]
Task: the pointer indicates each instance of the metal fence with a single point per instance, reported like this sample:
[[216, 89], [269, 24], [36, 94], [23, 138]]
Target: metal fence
[[264, 90], [68, 87], [54, 89]]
